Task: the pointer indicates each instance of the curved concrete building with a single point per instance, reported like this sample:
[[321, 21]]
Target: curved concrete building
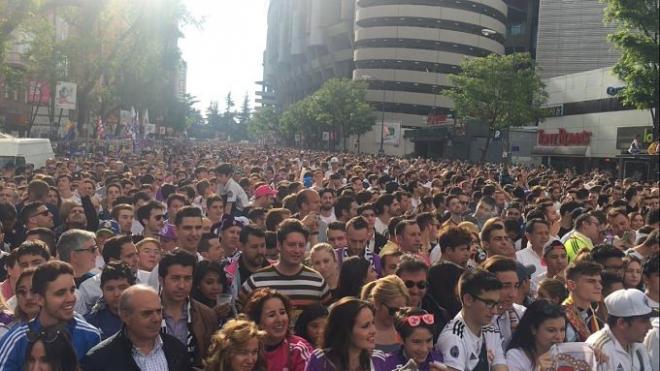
[[406, 49]]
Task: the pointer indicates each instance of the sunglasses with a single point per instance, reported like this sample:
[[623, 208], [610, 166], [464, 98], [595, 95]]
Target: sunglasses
[[415, 321], [420, 284], [391, 311], [91, 249], [48, 335]]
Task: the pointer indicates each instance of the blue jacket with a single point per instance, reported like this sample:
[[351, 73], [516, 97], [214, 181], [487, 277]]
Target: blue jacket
[[106, 321], [14, 344]]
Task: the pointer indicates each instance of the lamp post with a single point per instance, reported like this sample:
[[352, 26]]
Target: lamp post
[[381, 150]]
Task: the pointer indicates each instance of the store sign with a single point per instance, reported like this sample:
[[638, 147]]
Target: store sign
[[625, 136], [553, 111], [564, 138]]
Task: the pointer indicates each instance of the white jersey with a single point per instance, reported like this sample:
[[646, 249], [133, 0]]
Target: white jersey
[[636, 359], [652, 344], [503, 323], [517, 360], [462, 350]]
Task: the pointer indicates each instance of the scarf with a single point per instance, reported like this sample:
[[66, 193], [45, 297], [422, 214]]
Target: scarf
[[573, 316], [191, 343]]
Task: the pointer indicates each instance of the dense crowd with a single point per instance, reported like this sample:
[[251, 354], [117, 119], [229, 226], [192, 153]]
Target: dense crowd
[[217, 257]]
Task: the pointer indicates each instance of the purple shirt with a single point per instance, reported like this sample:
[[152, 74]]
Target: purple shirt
[[396, 360], [319, 362]]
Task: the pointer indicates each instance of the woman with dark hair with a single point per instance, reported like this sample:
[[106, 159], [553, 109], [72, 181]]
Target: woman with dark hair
[[271, 311], [310, 323], [354, 273], [542, 326], [27, 307], [209, 281], [50, 350], [415, 327], [349, 339]]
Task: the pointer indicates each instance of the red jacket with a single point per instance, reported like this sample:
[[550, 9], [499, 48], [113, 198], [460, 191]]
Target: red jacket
[[291, 355]]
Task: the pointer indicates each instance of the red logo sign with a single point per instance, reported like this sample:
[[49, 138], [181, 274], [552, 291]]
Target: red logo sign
[[564, 138]]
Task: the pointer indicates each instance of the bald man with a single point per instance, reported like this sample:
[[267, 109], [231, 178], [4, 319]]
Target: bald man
[[139, 345]]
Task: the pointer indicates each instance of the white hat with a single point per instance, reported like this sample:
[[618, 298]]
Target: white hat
[[627, 303], [334, 160]]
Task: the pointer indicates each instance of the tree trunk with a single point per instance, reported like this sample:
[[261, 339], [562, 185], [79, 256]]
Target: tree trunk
[[484, 151]]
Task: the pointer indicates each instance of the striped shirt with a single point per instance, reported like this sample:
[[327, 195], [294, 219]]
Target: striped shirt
[[303, 288], [154, 360]]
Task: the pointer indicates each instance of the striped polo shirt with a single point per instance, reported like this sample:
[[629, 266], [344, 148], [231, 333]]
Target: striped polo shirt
[[303, 288]]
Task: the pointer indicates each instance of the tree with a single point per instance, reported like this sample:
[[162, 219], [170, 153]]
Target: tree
[[242, 118], [637, 28], [264, 124], [302, 118], [228, 116], [181, 114], [500, 91], [213, 117], [343, 108]]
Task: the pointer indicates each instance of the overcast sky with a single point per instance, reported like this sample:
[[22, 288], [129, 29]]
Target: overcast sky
[[226, 53]]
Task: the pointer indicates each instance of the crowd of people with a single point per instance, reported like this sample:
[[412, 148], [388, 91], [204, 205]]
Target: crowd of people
[[212, 256]]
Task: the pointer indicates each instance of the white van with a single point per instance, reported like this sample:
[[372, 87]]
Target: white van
[[21, 151]]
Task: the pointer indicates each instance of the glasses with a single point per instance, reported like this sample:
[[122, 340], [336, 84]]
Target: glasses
[[91, 249], [420, 284], [415, 321], [391, 311], [490, 304]]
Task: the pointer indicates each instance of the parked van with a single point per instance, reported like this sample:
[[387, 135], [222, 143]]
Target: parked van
[[21, 151]]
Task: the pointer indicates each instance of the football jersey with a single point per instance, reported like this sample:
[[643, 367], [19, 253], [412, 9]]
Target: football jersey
[[462, 350]]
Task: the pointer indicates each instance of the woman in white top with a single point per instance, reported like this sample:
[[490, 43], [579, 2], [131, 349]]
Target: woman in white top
[[542, 326]]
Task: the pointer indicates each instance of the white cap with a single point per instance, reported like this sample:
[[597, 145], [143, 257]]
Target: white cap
[[334, 160], [627, 303]]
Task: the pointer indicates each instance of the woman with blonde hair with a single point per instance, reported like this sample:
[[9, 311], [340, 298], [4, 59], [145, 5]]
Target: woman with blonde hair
[[324, 260], [238, 346], [388, 295]]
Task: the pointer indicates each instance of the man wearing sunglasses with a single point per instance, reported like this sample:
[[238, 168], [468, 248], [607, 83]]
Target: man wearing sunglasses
[[54, 287], [78, 248], [469, 341], [414, 274], [37, 215], [151, 216]]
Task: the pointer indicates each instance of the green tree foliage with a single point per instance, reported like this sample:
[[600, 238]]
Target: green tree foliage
[[213, 117], [339, 107], [501, 91], [637, 28], [181, 114], [264, 124]]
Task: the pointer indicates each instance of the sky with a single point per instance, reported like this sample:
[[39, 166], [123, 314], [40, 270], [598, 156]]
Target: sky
[[225, 54]]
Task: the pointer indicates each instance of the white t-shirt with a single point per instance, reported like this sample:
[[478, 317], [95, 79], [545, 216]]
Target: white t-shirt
[[380, 227], [652, 344], [527, 256], [461, 348], [517, 360], [503, 323], [636, 359]]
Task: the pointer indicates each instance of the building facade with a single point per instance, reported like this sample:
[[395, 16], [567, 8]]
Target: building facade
[[572, 37], [587, 127]]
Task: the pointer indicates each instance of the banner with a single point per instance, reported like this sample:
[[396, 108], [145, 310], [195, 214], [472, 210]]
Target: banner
[[65, 95], [38, 92], [392, 133]]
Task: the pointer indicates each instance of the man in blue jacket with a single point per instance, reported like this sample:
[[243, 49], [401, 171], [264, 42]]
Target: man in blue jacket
[[54, 287]]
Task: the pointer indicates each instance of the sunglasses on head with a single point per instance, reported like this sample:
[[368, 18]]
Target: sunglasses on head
[[420, 284], [47, 335], [415, 321]]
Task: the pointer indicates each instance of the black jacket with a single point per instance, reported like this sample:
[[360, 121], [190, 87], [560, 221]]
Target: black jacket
[[116, 353]]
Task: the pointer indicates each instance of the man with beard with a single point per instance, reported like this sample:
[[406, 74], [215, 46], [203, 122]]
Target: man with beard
[[73, 216], [252, 257], [151, 216], [54, 286], [386, 206], [327, 213]]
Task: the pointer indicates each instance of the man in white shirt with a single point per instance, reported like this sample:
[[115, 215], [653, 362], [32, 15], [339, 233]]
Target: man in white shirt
[[628, 321], [468, 342], [510, 313], [537, 232], [554, 259], [327, 213], [386, 207], [651, 278], [235, 197]]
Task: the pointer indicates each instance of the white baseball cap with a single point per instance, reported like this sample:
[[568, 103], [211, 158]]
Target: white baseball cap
[[627, 303]]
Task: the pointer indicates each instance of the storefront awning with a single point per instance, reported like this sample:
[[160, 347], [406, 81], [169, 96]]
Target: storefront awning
[[559, 150]]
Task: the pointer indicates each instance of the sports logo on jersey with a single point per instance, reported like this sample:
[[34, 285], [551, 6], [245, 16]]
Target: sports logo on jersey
[[472, 357], [454, 351], [619, 367]]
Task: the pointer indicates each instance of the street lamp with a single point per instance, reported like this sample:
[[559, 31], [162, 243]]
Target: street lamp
[[488, 32], [381, 150]]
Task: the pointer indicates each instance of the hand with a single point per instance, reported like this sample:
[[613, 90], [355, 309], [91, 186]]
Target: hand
[[601, 357], [222, 311], [545, 362], [437, 366]]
